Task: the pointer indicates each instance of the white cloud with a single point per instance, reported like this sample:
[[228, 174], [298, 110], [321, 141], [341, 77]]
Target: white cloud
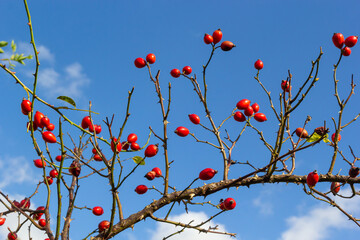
[[15, 170], [48, 78], [263, 204], [44, 52], [320, 221], [164, 229]]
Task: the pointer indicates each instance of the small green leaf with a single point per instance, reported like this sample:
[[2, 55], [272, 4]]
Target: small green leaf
[[68, 100], [3, 43], [326, 139], [30, 57], [1, 51], [314, 137], [13, 46], [139, 160]]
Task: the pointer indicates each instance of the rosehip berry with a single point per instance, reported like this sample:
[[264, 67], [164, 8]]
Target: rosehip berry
[[335, 187], [118, 146], [86, 122], [91, 128], [194, 118], [141, 189], [249, 111], [140, 62], [34, 126], [58, 158], [255, 107], [150, 58], [354, 171], [217, 36], [42, 222], [49, 179], [242, 104], [239, 116], [134, 146], [132, 137], [37, 216], [258, 64], [45, 121], [94, 151], [208, 38], [207, 174], [98, 211], [54, 173], [37, 119], [260, 117], [227, 46], [301, 133], [338, 40], [222, 206], [12, 236], [2, 221], [285, 86], [50, 127], [157, 171], [97, 158], [97, 129], [39, 163], [187, 70], [351, 41], [346, 51], [17, 204], [125, 146], [175, 73], [182, 131], [25, 203], [312, 179], [150, 175], [333, 137], [49, 137], [25, 106], [229, 203], [103, 225], [75, 168], [151, 150]]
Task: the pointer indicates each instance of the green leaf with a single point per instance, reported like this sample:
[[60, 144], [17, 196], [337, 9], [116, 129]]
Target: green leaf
[[13, 46], [139, 160], [68, 100], [314, 137], [1, 51], [326, 139], [3, 43]]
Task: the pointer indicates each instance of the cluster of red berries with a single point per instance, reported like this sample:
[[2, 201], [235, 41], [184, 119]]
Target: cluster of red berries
[[313, 178], [87, 123], [155, 172], [176, 72], [131, 142], [339, 41], [302, 133], [244, 104], [216, 38], [227, 204], [140, 62]]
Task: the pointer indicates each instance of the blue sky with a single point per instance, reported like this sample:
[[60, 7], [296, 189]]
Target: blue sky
[[87, 52]]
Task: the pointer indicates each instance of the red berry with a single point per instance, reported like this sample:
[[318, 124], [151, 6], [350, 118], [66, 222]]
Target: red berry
[[260, 117], [75, 168], [301, 132], [94, 151], [45, 121], [37, 119], [187, 70], [229, 203], [91, 128], [42, 222], [207, 174], [2, 221], [141, 189], [37, 216], [134, 146], [58, 158], [34, 126], [25, 203], [132, 137], [312, 179], [208, 38], [182, 131], [239, 116], [255, 107], [227, 46], [98, 211], [157, 172], [351, 41], [285, 86], [49, 137], [53, 173], [150, 58], [335, 187], [97, 129], [12, 236], [242, 104], [333, 137], [249, 111], [346, 51], [86, 122], [222, 206], [258, 64], [118, 146], [17, 204], [103, 225], [97, 158], [354, 171], [39, 163], [50, 180], [175, 73], [217, 36], [151, 150], [50, 127], [150, 175], [25, 106], [338, 40], [194, 118], [140, 62], [125, 146]]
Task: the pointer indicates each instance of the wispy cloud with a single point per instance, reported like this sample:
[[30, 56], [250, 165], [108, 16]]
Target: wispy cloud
[[163, 229], [319, 222], [263, 204]]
